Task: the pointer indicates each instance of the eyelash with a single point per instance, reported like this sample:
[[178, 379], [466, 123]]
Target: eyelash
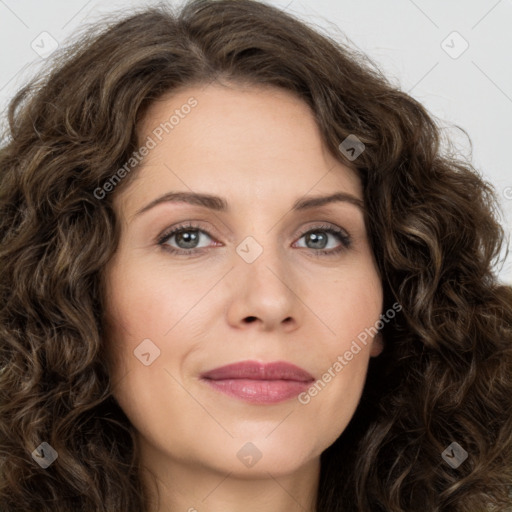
[[345, 239]]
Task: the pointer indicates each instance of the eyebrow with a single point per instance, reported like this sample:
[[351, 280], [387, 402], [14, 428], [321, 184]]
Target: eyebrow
[[220, 204]]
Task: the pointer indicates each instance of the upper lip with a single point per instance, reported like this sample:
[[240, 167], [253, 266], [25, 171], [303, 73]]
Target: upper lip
[[254, 370]]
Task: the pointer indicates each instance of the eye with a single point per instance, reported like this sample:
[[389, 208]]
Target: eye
[[318, 238], [187, 238]]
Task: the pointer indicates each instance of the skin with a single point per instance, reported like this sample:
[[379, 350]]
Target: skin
[[261, 150]]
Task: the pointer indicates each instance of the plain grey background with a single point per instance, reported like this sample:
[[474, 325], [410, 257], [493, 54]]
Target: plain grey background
[[454, 57]]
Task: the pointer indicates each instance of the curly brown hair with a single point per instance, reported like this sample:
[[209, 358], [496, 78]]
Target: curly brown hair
[[446, 372]]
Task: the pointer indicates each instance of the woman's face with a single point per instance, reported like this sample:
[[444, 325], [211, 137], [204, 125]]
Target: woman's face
[[256, 278]]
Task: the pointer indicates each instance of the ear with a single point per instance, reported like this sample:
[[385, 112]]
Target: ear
[[377, 345]]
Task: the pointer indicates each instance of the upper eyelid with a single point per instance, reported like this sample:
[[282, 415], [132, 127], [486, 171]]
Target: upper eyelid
[[189, 225]]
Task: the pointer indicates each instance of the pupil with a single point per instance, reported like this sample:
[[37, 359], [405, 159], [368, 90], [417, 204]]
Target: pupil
[[317, 239], [188, 237]]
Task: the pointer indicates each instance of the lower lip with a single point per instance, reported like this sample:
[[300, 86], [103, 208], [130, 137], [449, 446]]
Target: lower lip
[[259, 391]]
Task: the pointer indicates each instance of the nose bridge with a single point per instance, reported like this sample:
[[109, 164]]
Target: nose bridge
[[262, 257], [264, 280]]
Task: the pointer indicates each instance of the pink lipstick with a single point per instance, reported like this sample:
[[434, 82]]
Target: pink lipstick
[[259, 383]]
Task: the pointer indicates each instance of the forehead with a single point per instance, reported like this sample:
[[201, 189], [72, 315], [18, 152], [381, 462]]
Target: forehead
[[259, 142]]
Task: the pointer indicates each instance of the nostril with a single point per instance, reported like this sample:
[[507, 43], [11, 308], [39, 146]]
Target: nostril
[[250, 319]]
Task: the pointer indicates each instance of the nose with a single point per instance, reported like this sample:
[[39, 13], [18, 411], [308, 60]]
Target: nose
[[264, 294]]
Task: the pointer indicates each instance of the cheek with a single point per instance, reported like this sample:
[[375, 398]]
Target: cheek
[[331, 401], [146, 310], [138, 316], [156, 320], [148, 303], [349, 307]]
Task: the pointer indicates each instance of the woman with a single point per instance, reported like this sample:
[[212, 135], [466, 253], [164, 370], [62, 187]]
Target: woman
[[239, 273]]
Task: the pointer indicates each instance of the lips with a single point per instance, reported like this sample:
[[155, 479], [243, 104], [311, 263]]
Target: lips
[[259, 383], [259, 371]]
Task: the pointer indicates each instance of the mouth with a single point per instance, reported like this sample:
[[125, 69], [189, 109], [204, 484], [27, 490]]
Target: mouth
[[259, 383]]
